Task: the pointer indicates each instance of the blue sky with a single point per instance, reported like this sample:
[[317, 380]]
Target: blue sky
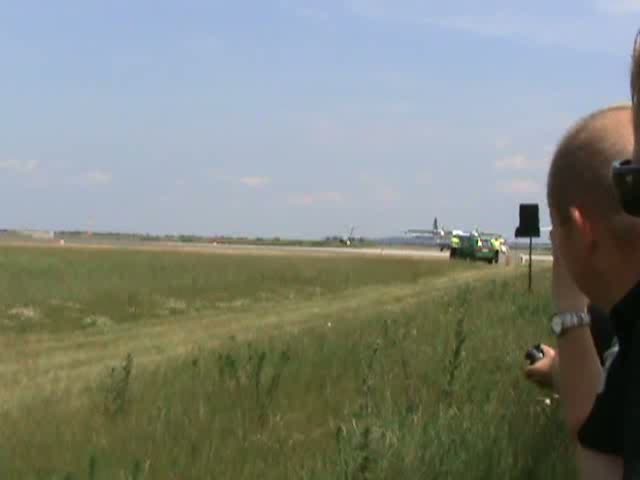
[[295, 117]]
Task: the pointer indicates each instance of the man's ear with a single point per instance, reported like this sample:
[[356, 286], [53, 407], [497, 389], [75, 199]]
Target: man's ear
[[582, 227]]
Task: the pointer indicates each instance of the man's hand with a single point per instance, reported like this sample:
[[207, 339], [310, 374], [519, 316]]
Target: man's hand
[[541, 372]]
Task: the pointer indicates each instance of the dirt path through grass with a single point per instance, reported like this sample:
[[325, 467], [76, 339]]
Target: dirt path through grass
[[31, 364]]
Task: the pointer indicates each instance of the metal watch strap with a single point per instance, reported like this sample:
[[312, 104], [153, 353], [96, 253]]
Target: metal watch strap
[[569, 320]]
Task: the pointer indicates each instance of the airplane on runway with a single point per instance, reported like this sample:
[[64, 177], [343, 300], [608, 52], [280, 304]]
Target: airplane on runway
[[445, 237], [442, 236], [349, 239]]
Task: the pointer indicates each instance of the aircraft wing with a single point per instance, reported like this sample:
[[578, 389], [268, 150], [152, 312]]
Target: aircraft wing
[[490, 234], [416, 231], [430, 233]]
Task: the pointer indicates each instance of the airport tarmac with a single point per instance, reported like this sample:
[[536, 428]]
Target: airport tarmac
[[220, 248]]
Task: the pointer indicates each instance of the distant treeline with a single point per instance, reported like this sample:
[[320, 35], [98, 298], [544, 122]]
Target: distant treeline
[[220, 239]]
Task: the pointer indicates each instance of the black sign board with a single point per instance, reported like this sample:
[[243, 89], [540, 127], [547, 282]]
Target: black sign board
[[529, 227], [529, 221]]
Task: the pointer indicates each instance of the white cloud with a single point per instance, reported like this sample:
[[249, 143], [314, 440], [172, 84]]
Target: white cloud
[[382, 190], [370, 9], [492, 25], [255, 182], [387, 194], [312, 14], [315, 11], [218, 176], [423, 179], [518, 186], [576, 33], [308, 199], [28, 167], [585, 30], [514, 162], [618, 7], [98, 177], [251, 181], [502, 143], [399, 107]]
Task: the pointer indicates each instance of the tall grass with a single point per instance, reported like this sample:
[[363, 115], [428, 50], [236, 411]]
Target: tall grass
[[432, 389]]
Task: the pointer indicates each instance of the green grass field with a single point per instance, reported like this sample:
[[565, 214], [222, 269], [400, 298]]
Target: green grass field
[[132, 365], [53, 290]]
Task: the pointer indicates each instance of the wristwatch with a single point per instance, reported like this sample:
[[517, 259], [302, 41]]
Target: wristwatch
[[561, 322]]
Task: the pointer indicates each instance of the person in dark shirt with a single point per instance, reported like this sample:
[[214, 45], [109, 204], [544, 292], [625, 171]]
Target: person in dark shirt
[[595, 256]]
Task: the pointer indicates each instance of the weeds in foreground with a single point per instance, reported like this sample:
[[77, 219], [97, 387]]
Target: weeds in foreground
[[116, 388], [415, 393], [460, 308], [266, 390]]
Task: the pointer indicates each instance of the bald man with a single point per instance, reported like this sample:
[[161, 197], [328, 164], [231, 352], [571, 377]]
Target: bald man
[[595, 256]]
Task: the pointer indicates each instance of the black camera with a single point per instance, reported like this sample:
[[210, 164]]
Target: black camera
[[626, 180], [534, 354]]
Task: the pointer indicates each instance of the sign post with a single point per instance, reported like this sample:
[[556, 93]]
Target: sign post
[[530, 261]]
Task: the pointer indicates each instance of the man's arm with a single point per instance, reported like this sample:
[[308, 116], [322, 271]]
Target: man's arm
[[598, 466], [580, 377], [580, 374]]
